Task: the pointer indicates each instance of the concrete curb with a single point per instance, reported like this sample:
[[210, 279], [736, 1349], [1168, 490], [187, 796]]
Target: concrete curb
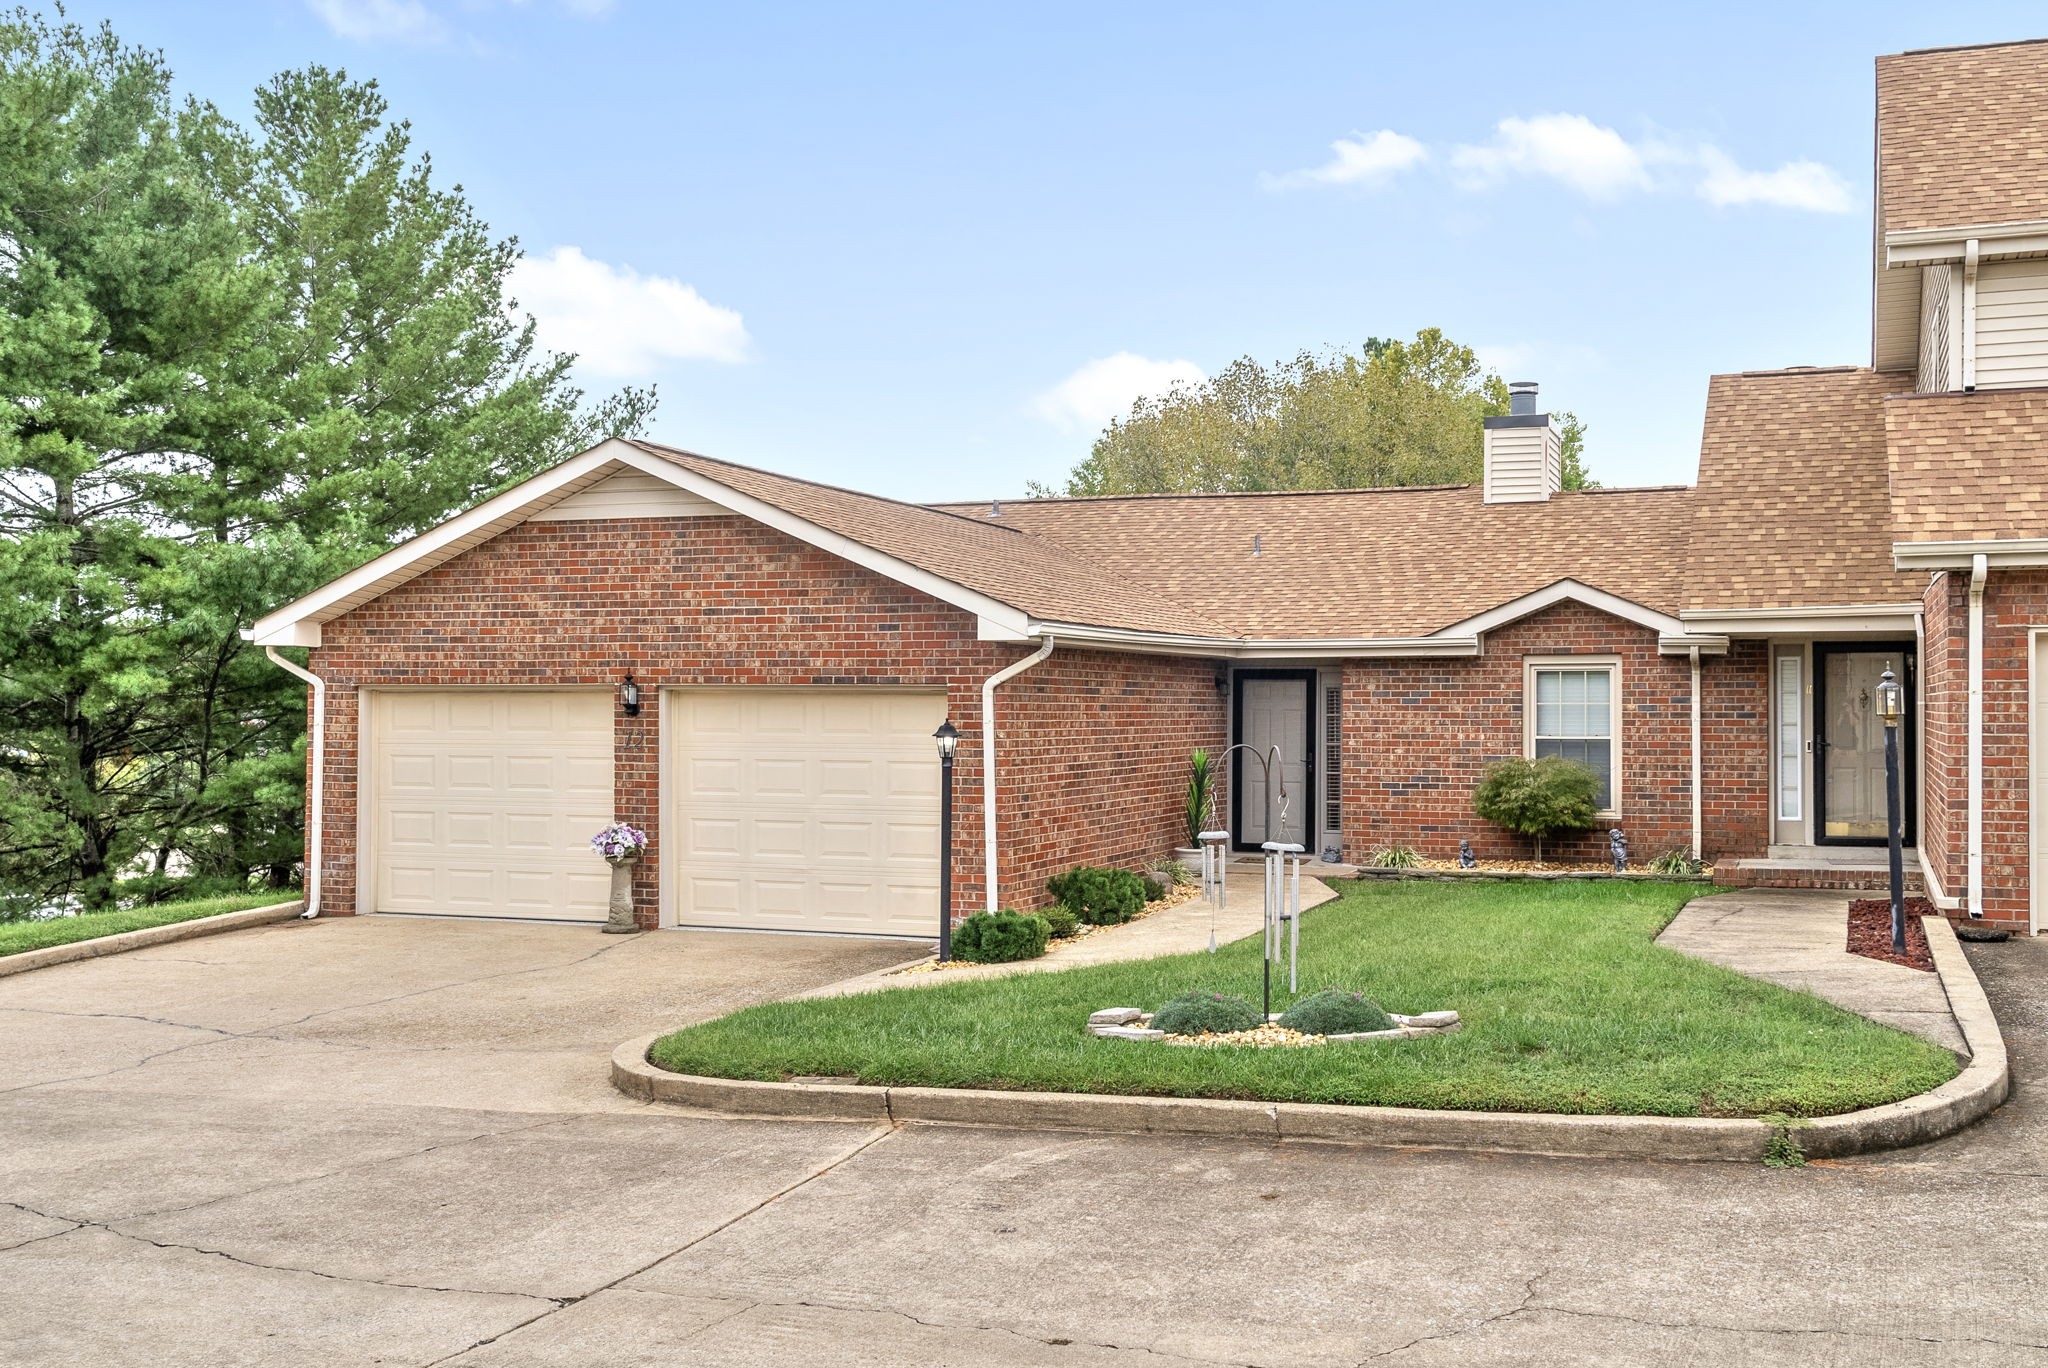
[[148, 936], [1968, 1097]]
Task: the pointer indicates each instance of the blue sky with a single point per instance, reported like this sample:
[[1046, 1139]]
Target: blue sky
[[924, 250]]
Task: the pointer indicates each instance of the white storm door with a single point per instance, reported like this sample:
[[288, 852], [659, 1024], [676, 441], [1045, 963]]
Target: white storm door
[[805, 809], [1273, 713], [483, 802]]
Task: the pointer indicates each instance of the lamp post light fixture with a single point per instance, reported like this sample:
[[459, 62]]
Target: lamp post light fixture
[[1890, 708], [629, 695], [948, 737]]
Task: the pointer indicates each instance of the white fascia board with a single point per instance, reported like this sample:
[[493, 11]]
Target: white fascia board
[[1516, 609], [1958, 555], [292, 624], [1822, 620], [1923, 246], [1705, 644], [1255, 648]]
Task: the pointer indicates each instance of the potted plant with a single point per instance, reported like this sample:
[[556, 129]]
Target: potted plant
[[1201, 780], [622, 846]]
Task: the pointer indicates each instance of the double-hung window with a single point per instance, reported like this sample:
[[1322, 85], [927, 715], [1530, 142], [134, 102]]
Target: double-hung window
[[1572, 712]]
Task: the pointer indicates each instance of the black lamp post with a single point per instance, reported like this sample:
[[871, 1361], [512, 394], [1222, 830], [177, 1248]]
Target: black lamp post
[[1890, 702], [948, 737]]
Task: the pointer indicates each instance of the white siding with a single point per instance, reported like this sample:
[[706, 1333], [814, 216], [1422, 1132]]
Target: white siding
[[629, 494], [1523, 464], [2012, 324], [1941, 352]]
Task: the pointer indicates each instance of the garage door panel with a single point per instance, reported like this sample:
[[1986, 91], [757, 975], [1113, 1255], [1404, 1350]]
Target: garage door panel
[[483, 802], [806, 809]]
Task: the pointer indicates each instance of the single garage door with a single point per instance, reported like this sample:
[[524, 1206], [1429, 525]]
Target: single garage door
[[483, 802], [806, 809]]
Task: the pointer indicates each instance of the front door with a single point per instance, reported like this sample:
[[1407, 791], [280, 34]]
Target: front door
[[1849, 769], [1275, 712]]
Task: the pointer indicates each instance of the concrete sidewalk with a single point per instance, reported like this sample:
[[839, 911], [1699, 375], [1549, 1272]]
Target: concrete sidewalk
[[1176, 931], [1798, 939]]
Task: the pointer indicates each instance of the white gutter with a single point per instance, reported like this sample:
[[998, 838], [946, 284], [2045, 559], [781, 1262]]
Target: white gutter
[[1696, 752], [988, 760], [1979, 571], [318, 742]]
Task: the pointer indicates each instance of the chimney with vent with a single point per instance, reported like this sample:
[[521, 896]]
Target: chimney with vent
[[1523, 461]]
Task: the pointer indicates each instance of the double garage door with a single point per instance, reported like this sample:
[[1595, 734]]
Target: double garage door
[[786, 809]]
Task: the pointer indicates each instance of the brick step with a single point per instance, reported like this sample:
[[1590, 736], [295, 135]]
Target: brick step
[[1833, 875]]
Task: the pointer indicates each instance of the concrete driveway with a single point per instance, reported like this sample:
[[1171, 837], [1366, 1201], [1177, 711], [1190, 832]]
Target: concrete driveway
[[391, 1142]]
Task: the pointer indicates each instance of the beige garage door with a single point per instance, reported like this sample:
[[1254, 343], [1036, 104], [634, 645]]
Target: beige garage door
[[806, 809], [482, 802]]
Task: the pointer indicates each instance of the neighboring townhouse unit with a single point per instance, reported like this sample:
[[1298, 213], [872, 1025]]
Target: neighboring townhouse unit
[[1711, 650]]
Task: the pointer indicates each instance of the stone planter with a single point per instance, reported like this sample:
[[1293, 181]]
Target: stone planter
[[622, 920], [1190, 858]]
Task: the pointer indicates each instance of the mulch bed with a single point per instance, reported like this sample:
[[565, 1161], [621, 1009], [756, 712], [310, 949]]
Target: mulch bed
[[1870, 932]]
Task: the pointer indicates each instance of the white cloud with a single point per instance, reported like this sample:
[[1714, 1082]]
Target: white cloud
[[403, 21], [1565, 147], [1795, 185], [1361, 159], [1106, 388], [621, 324]]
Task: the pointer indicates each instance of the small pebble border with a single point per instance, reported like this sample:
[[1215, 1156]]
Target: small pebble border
[[1130, 1023]]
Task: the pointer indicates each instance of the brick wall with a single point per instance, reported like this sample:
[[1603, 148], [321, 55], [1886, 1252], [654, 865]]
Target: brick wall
[[1094, 744], [1420, 734]]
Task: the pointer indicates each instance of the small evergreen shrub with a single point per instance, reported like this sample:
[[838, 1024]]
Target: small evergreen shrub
[[1195, 1013], [1539, 798], [1335, 1012], [1100, 897], [1060, 918], [999, 937], [1675, 861], [1394, 857]]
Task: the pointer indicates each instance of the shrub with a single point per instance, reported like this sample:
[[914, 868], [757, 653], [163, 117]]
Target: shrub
[[999, 937], [1060, 918], [1394, 857], [1539, 798], [1335, 1012], [1195, 1013], [1677, 860], [1100, 897]]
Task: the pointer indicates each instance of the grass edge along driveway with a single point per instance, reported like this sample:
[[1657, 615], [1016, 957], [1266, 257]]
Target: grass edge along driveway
[[1567, 1003], [20, 937]]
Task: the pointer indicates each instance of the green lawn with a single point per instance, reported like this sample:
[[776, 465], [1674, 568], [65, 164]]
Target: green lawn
[[1568, 1007], [19, 937]]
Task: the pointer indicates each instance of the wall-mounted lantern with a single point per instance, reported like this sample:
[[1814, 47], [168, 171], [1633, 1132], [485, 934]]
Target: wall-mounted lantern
[[629, 695]]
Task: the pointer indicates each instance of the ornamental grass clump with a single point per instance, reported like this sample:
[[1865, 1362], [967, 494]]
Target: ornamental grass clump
[[1100, 897], [1336, 1012], [1000, 937], [1210, 1013]]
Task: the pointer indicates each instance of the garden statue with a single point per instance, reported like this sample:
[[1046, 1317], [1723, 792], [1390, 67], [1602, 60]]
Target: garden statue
[[1617, 846], [1465, 860]]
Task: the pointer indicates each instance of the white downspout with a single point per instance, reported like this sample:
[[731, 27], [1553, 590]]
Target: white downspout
[[318, 742], [988, 761], [1979, 570], [1696, 753]]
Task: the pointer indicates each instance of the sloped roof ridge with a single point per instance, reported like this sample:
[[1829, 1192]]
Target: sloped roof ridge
[[1972, 47], [948, 505], [662, 449]]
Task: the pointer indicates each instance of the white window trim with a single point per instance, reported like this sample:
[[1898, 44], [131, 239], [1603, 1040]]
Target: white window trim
[[1610, 663]]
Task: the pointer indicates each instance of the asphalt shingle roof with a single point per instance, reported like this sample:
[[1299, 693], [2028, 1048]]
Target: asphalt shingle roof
[[1962, 136]]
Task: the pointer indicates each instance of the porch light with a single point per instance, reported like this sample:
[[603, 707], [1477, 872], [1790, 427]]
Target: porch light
[[629, 695], [948, 737], [1889, 698]]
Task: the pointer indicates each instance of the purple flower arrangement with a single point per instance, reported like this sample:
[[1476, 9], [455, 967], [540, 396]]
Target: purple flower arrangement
[[619, 842]]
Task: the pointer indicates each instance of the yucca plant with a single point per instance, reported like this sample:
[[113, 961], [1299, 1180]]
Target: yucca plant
[[1200, 779]]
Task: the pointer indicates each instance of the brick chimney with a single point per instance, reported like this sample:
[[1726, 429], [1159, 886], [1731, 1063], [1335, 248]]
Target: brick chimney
[[1523, 461]]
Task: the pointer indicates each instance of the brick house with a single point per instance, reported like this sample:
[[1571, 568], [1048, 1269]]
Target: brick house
[[1710, 649]]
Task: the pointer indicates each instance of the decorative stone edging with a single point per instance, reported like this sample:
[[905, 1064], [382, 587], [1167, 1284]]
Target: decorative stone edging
[[148, 936], [1530, 875], [1974, 1093]]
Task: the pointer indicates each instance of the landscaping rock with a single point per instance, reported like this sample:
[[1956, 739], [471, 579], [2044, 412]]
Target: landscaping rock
[[1432, 1019], [1114, 1016], [1126, 1033]]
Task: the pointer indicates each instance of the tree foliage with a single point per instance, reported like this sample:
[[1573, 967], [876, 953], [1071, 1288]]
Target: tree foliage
[[232, 364], [1391, 413], [1539, 798]]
